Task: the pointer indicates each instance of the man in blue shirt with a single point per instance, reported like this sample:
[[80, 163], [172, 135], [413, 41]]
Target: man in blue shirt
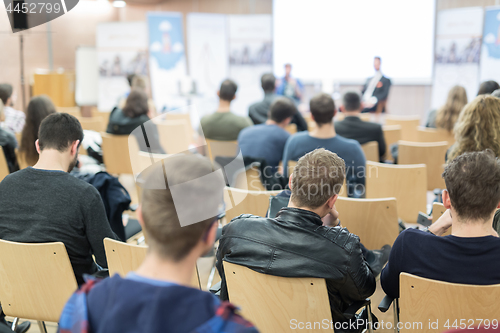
[[267, 141], [324, 136]]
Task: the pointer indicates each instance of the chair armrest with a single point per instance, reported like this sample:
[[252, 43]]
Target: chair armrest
[[385, 304], [215, 289], [350, 312]]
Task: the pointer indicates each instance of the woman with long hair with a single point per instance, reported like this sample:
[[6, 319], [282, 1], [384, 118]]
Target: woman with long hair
[[38, 109], [477, 127], [446, 116]]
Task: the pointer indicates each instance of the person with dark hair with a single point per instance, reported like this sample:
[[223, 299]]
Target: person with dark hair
[[376, 90], [134, 114], [268, 140], [223, 125], [323, 109], [289, 86], [38, 109], [488, 87], [14, 119], [469, 255], [296, 243], [352, 127], [8, 142], [259, 111], [161, 287], [43, 203]]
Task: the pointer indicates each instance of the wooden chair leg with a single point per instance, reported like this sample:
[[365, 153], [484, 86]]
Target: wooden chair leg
[[41, 326], [395, 308]]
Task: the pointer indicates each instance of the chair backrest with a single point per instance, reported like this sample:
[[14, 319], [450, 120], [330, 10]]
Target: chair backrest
[[218, 148], [144, 160], [431, 154], [271, 302], [425, 134], [115, 153], [371, 151], [291, 128], [72, 110], [246, 202], [375, 221], [186, 118], [4, 167], [406, 183], [427, 301], [174, 135], [392, 134], [97, 124], [408, 125], [438, 210], [37, 280], [249, 179], [124, 258]]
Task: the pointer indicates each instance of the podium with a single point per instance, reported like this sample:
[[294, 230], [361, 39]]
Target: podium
[[59, 86]]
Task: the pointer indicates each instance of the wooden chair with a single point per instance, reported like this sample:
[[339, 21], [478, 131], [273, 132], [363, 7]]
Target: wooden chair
[[431, 154], [371, 151], [124, 258], [37, 280], [21, 160], [249, 179], [408, 125], [174, 136], [221, 148], [438, 210], [392, 134], [72, 110], [425, 134], [246, 202], [406, 183], [116, 152], [291, 128], [96, 124], [186, 119], [270, 302], [375, 221], [427, 301], [4, 167]]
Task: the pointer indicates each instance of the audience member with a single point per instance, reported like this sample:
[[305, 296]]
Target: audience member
[[289, 86], [324, 136], [259, 111], [14, 119], [134, 114], [44, 203], [447, 115], [468, 255], [352, 127], [138, 82], [296, 244], [223, 125], [477, 127], [38, 109], [488, 87], [267, 141], [8, 143], [160, 288]]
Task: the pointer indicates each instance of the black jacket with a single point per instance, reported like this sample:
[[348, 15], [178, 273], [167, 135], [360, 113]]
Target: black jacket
[[296, 244], [9, 144], [362, 131], [382, 92]]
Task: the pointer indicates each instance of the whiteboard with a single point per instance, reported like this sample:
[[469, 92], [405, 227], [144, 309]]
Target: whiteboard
[[87, 76]]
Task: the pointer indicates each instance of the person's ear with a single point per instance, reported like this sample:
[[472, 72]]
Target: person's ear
[[335, 112], [210, 238], [234, 97], [361, 106], [138, 213], [498, 206], [218, 93], [331, 202], [341, 108], [74, 147], [287, 121], [446, 199], [37, 145], [290, 181]]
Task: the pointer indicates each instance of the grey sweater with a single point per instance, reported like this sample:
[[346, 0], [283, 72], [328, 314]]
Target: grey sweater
[[40, 206]]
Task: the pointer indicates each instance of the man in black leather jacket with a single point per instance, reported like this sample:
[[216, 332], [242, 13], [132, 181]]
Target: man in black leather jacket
[[296, 244]]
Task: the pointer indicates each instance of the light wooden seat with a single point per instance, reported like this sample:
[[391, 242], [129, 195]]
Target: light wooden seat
[[174, 136], [72, 110], [270, 302], [97, 124], [4, 167], [427, 301], [431, 154], [291, 128], [408, 125], [246, 202], [438, 210], [249, 179], [116, 152], [406, 183], [124, 258], [371, 151], [375, 221], [36, 280], [144, 160], [218, 148], [425, 134], [186, 119], [22, 161], [392, 134]]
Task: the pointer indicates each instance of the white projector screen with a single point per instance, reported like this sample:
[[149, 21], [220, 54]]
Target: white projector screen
[[337, 39]]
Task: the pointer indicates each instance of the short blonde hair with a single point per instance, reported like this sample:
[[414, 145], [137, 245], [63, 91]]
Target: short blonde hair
[[317, 177]]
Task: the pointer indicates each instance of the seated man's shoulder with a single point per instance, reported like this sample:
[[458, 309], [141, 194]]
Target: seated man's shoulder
[[341, 237]]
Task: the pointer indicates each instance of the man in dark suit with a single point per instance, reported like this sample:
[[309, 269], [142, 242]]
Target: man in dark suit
[[259, 111], [376, 90], [352, 127]]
